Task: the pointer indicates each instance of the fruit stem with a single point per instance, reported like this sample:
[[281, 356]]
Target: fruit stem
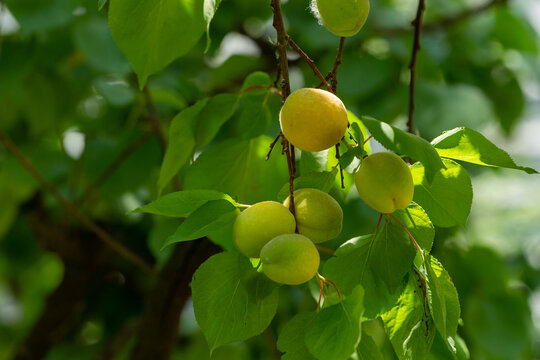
[[407, 231], [310, 62], [325, 249], [338, 155], [322, 282]]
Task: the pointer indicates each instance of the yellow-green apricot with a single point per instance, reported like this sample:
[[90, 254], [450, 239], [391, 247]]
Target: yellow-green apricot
[[341, 17], [313, 119], [385, 182], [290, 259], [318, 215], [259, 224]]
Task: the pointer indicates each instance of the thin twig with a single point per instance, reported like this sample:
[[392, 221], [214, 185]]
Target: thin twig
[[338, 156], [286, 149], [272, 145], [310, 62], [72, 209], [408, 233], [111, 169], [445, 22], [417, 23], [332, 75], [325, 249]]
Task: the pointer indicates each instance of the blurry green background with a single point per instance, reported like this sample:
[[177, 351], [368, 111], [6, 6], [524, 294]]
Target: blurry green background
[[69, 101]]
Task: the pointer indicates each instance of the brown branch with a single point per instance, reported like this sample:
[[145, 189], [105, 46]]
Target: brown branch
[[111, 169], [82, 258], [281, 48], [119, 341], [338, 156], [332, 75], [310, 62], [448, 21], [272, 145], [158, 331], [283, 71], [417, 23], [72, 209]]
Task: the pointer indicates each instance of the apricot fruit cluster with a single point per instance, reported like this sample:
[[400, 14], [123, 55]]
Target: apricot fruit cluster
[[266, 230], [384, 182], [313, 119]]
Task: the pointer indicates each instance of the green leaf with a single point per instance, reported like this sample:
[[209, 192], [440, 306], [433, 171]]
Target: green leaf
[[349, 267], [237, 167], [443, 301], [117, 92], [101, 4], [392, 254], [182, 203], [209, 10], [410, 331], [417, 222], [404, 143], [232, 301], [467, 145], [253, 116], [218, 110], [257, 78], [181, 143], [152, 33], [322, 180], [358, 130], [368, 349], [210, 217], [448, 198], [291, 339], [335, 332]]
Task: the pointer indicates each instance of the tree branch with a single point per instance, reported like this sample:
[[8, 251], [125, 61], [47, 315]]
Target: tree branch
[[417, 23], [309, 62], [73, 210], [283, 71], [448, 21], [332, 75]]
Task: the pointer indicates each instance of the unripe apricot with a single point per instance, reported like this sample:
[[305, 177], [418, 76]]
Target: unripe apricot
[[290, 259], [385, 182], [318, 215], [313, 119], [341, 17], [259, 224]]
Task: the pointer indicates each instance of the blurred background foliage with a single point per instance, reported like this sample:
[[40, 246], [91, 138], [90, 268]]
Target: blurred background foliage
[[69, 100]]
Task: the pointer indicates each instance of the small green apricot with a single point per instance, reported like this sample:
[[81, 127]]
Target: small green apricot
[[318, 215], [341, 17], [385, 182], [259, 224], [290, 259]]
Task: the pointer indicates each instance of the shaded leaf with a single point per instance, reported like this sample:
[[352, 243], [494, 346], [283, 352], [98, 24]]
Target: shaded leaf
[[232, 302], [408, 324], [181, 143], [151, 33], [210, 217], [182, 203], [335, 331], [323, 180], [291, 339]]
